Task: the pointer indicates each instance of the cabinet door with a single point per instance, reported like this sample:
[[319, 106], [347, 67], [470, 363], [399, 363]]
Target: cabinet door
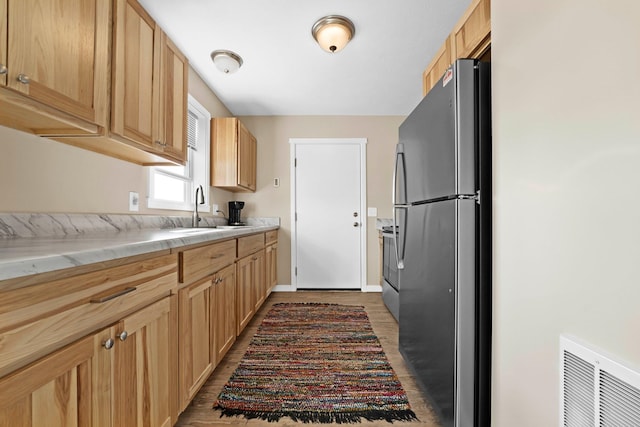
[[142, 364], [71, 387], [3, 42], [173, 119], [136, 48], [53, 59], [259, 280], [246, 158], [271, 261], [244, 293], [194, 337], [440, 63], [473, 31], [224, 316]]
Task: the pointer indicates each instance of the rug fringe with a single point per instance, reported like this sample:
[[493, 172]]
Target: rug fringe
[[322, 417]]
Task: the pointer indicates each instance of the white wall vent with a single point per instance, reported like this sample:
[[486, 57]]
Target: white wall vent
[[596, 390]]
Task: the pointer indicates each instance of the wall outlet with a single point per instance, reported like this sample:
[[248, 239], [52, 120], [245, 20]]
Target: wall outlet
[[372, 212], [134, 201], [276, 182], [215, 208]]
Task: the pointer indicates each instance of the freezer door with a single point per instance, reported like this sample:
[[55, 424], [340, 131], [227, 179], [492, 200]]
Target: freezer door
[[439, 138], [427, 302]]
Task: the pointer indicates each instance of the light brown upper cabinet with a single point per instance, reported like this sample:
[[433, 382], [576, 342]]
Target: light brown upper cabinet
[[470, 38], [54, 65], [473, 32], [233, 155], [149, 95], [439, 64]]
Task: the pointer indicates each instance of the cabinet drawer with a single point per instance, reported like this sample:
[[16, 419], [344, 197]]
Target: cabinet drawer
[[59, 316], [271, 236], [200, 262], [250, 244]]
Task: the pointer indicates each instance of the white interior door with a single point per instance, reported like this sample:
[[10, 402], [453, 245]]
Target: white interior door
[[328, 218]]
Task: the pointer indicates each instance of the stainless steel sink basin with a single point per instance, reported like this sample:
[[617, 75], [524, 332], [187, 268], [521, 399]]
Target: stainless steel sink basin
[[231, 227]]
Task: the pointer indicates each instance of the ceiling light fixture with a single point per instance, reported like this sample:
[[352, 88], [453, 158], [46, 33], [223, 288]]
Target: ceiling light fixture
[[226, 61], [333, 32]]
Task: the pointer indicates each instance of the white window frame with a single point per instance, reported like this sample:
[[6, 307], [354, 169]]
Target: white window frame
[[204, 133]]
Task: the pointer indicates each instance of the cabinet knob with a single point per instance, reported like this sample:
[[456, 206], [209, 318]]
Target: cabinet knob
[[123, 335], [108, 344], [3, 69], [24, 79]]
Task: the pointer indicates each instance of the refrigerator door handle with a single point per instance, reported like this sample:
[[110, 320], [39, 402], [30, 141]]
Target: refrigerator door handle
[[399, 259], [399, 156]]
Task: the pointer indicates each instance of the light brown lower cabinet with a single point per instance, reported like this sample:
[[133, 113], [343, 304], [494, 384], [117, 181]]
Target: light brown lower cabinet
[[195, 338], [271, 262], [119, 376], [244, 293], [224, 317]]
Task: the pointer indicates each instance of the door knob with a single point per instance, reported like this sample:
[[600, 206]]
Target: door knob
[[356, 224]]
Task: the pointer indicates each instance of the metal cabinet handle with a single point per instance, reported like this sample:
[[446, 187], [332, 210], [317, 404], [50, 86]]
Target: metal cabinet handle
[[3, 69], [108, 344], [24, 79], [123, 335], [112, 296], [162, 144]]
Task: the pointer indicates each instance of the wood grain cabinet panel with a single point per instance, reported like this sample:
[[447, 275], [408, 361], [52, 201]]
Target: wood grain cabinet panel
[[224, 311], [195, 338], [439, 64], [150, 84], [57, 70], [70, 387], [470, 38], [244, 293], [199, 262], [143, 389], [271, 263], [233, 155], [473, 32]]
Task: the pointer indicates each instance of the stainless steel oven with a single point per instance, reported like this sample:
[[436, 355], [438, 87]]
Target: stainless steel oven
[[390, 289]]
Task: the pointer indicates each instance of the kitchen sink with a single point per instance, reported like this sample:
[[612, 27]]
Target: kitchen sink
[[193, 230], [231, 227]]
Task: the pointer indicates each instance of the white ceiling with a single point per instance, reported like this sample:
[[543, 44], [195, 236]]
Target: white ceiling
[[286, 73]]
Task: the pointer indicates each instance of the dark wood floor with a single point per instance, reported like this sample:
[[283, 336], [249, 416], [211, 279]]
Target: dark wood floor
[[200, 413]]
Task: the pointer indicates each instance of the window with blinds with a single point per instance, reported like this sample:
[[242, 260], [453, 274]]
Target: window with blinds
[[173, 187]]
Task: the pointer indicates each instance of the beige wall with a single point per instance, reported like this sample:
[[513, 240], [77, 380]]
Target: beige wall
[[273, 135], [566, 111], [40, 175]]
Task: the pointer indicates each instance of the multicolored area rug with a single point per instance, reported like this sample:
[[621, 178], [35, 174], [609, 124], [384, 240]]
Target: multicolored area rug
[[318, 363]]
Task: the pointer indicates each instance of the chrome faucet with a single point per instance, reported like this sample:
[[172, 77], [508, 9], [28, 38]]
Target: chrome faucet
[[199, 201]]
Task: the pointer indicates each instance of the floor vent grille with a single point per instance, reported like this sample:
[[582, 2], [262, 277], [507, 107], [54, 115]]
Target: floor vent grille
[[596, 390]]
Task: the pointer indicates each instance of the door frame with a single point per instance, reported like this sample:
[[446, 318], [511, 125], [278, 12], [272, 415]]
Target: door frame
[[362, 142]]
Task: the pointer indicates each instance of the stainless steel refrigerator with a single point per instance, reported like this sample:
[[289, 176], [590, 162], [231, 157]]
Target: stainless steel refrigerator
[[442, 208]]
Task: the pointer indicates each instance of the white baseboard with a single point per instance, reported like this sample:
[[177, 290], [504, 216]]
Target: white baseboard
[[290, 288]]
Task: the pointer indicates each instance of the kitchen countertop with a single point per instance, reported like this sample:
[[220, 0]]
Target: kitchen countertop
[[51, 251]]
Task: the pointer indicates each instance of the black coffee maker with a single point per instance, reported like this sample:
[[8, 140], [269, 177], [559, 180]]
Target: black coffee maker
[[234, 213]]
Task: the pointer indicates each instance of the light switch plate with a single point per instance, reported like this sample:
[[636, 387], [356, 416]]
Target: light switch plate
[[372, 212], [134, 201], [276, 182]]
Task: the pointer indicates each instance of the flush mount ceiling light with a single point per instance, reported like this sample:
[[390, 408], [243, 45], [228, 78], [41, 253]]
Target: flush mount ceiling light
[[226, 61], [333, 32]]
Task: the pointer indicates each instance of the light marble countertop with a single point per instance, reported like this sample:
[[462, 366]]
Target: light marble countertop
[[47, 251]]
